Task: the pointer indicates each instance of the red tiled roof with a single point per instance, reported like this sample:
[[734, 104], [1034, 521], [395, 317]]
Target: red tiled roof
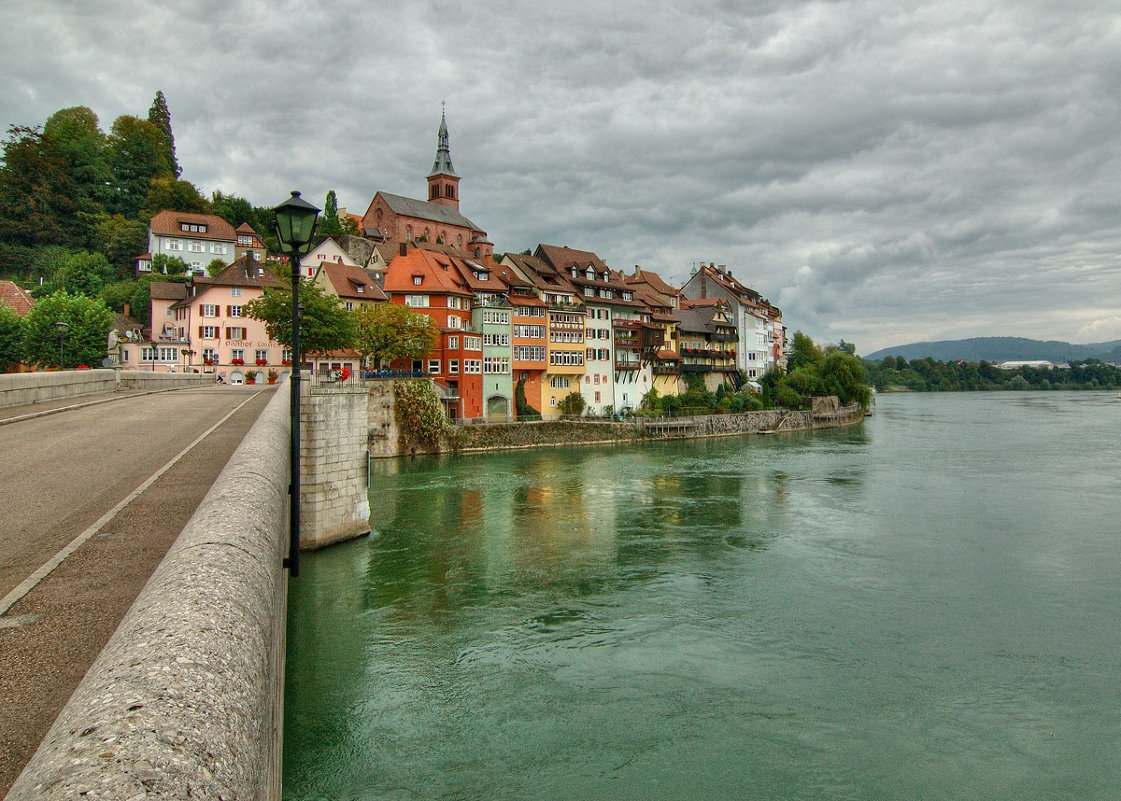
[[435, 270], [167, 290], [167, 223], [245, 272], [16, 299], [351, 282]]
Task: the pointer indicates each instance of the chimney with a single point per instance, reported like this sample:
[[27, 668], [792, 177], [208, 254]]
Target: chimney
[[403, 249]]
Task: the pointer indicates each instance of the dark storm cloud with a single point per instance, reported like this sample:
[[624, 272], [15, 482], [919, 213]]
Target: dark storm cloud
[[884, 172]]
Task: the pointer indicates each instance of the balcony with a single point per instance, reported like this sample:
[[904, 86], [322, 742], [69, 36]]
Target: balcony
[[696, 368]]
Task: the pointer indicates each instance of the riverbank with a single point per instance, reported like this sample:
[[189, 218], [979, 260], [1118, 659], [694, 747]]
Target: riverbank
[[513, 436]]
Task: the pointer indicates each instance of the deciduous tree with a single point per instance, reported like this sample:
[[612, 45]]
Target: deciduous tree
[[386, 332], [88, 321], [324, 324], [11, 339]]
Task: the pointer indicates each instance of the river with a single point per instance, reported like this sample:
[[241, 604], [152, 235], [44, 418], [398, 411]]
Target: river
[[926, 606]]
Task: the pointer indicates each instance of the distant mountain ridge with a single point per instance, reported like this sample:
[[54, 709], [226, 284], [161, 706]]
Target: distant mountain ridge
[[1001, 349]]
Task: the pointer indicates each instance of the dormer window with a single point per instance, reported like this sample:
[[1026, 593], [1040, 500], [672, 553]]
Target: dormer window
[[572, 271], [590, 274], [417, 280], [198, 228]]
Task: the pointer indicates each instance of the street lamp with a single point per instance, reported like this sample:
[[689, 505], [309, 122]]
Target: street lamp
[[295, 227], [62, 326]]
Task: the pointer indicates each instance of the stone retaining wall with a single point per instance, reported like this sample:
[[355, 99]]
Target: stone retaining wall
[[472, 438], [185, 700]]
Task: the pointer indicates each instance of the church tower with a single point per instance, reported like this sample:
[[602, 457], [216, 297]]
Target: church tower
[[443, 183]]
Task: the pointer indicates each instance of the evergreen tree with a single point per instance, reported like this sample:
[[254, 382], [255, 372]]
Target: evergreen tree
[[160, 116], [329, 224]]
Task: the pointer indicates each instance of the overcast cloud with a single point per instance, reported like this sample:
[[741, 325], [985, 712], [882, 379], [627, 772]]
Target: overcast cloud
[[884, 172]]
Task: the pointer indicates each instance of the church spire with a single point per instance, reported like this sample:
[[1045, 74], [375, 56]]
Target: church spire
[[443, 163], [443, 183]]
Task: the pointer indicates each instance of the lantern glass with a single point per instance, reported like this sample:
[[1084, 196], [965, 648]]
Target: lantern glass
[[295, 223]]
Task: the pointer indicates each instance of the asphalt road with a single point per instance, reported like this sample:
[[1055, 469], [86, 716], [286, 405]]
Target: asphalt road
[[61, 473]]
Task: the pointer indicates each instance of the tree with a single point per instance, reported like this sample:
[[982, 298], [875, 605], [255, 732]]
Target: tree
[[324, 324], [39, 200], [573, 403], [137, 154], [84, 274], [842, 374], [121, 240], [88, 322], [329, 224], [169, 265], [11, 339], [804, 353], [160, 116], [386, 332], [170, 193], [77, 134]]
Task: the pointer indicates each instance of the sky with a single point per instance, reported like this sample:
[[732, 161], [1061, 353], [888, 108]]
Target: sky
[[884, 172]]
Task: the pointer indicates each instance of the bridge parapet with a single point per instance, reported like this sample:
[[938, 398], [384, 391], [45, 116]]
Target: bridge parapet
[[185, 700]]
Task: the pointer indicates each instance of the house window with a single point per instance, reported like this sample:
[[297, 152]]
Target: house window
[[210, 355], [472, 343], [472, 366], [553, 401], [238, 353], [235, 311], [597, 397], [409, 233], [559, 382], [350, 305], [433, 366], [235, 291], [174, 244], [453, 343], [261, 355], [209, 331], [453, 366], [496, 366], [195, 247], [235, 332], [416, 301], [209, 310], [418, 280], [454, 322]]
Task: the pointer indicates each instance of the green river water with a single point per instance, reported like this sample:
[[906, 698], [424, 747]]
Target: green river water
[[926, 606]]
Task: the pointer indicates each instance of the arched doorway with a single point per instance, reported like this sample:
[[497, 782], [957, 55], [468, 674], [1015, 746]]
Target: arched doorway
[[498, 407]]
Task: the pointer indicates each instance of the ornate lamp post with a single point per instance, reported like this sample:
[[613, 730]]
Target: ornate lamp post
[[62, 326], [295, 227]]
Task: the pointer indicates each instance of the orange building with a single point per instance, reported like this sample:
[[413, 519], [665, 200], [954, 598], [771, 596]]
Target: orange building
[[429, 283]]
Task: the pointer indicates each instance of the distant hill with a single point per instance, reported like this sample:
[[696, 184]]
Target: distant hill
[[1000, 349]]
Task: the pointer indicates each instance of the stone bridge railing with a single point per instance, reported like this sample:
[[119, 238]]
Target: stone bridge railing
[[185, 700], [23, 389]]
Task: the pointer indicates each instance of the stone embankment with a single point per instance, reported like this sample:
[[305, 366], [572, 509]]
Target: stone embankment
[[496, 436]]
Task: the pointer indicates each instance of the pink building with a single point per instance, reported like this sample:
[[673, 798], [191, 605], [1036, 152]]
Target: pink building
[[201, 326]]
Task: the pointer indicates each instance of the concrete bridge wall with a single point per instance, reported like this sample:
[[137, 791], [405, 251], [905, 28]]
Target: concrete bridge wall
[[22, 389], [185, 700]]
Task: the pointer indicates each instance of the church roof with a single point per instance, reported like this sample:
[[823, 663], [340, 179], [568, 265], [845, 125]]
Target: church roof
[[443, 163], [422, 209]]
